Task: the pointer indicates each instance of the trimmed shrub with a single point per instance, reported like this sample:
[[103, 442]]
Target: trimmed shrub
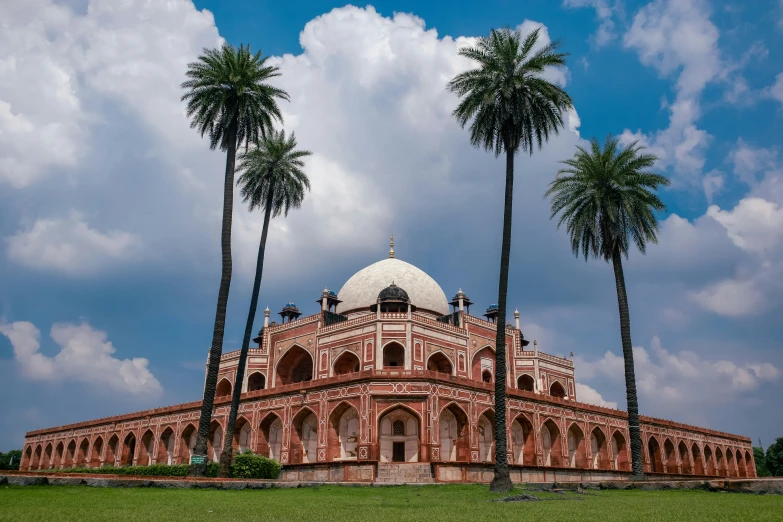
[[247, 465]]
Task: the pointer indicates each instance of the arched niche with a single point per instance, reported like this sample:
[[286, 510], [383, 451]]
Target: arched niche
[[271, 439], [483, 361], [295, 366], [304, 437], [698, 465], [525, 383], [523, 450], [550, 444], [394, 356], [145, 450], [215, 441], [166, 446], [187, 441], [58, 455], [343, 436], [709, 460], [576, 447], [398, 436], [654, 451], [669, 456], [256, 381], [685, 458], [454, 441], [82, 453], [599, 458], [46, 463], [242, 433], [128, 449], [486, 436], [620, 459], [439, 362], [223, 388], [556, 390], [346, 363], [95, 453]]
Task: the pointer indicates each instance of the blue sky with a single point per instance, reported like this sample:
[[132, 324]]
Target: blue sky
[[110, 207]]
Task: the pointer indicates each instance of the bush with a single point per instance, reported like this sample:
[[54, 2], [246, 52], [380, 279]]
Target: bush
[[247, 465]]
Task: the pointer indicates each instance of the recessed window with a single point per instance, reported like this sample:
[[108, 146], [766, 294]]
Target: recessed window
[[398, 428]]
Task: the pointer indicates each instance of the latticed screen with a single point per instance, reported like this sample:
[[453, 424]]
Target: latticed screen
[[398, 428]]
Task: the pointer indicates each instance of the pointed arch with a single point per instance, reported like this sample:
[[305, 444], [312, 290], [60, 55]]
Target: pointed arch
[[96, 453], [27, 459], [187, 443], [37, 455], [110, 453], [223, 388], [654, 452], [720, 464], [620, 459], [271, 436], [166, 445], [294, 365], [215, 440], [128, 449], [483, 361], [454, 436], [242, 432], [304, 436], [440, 362], [523, 449], [599, 453], [399, 429], [146, 453], [669, 456], [46, 462], [550, 444], [698, 463], [345, 363], [525, 382], [750, 469], [485, 428], [59, 455], [393, 355], [343, 435], [686, 462], [709, 461], [742, 470], [82, 453], [731, 469], [556, 389], [576, 447], [256, 381]]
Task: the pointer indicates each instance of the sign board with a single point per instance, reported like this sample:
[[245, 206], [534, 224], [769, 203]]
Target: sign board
[[198, 459]]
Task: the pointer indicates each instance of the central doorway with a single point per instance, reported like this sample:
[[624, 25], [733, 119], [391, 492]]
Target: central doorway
[[398, 452]]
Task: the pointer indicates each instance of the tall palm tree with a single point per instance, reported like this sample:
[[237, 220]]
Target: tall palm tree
[[229, 100], [608, 201], [513, 108], [271, 178]]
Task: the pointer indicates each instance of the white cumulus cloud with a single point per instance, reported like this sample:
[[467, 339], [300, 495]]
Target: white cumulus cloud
[[69, 245], [85, 356], [585, 393]]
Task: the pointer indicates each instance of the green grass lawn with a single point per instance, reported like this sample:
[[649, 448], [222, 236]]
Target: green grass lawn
[[333, 503]]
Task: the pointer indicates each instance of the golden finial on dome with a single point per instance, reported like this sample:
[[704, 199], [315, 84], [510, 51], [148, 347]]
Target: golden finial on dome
[[391, 247]]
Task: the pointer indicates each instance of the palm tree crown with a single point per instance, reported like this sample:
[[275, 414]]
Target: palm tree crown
[[276, 167], [226, 87], [511, 105], [607, 199]]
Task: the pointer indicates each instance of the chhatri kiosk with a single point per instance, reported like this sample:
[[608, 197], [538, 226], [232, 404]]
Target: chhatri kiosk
[[391, 381]]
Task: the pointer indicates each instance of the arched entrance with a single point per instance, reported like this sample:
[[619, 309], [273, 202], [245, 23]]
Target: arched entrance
[[720, 465], [398, 437], [393, 356], [343, 432], [166, 447], [708, 461], [743, 471], [242, 435], [95, 454], [36, 458], [187, 443], [654, 449], [550, 444], [438, 362], [82, 454], [271, 439], [619, 452], [453, 435], [483, 365], [215, 441], [295, 366], [526, 383], [685, 459], [111, 450], [58, 455], [669, 456], [557, 390], [731, 470], [576, 447], [128, 450], [346, 363], [522, 442], [256, 381], [47, 457], [145, 453], [223, 388], [304, 438], [698, 465], [599, 459], [486, 436], [750, 470]]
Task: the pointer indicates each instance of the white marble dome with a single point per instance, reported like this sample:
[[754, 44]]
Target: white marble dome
[[362, 289]]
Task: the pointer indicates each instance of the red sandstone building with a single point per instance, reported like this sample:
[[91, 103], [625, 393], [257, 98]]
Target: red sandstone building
[[386, 383]]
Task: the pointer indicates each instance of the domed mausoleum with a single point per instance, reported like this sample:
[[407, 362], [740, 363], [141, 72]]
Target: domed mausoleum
[[383, 382]]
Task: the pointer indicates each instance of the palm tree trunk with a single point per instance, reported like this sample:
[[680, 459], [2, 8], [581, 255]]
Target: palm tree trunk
[[228, 447], [216, 350], [502, 481], [637, 467]]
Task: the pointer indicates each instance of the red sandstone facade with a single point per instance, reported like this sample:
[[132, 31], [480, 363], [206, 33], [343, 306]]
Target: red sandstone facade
[[343, 400]]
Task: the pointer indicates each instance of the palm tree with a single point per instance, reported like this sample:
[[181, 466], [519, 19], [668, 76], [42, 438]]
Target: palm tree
[[608, 201], [512, 107], [229, 100], [272, 179]]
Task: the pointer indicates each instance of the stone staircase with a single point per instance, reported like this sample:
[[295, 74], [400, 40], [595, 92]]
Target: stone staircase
[[404, 473]]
